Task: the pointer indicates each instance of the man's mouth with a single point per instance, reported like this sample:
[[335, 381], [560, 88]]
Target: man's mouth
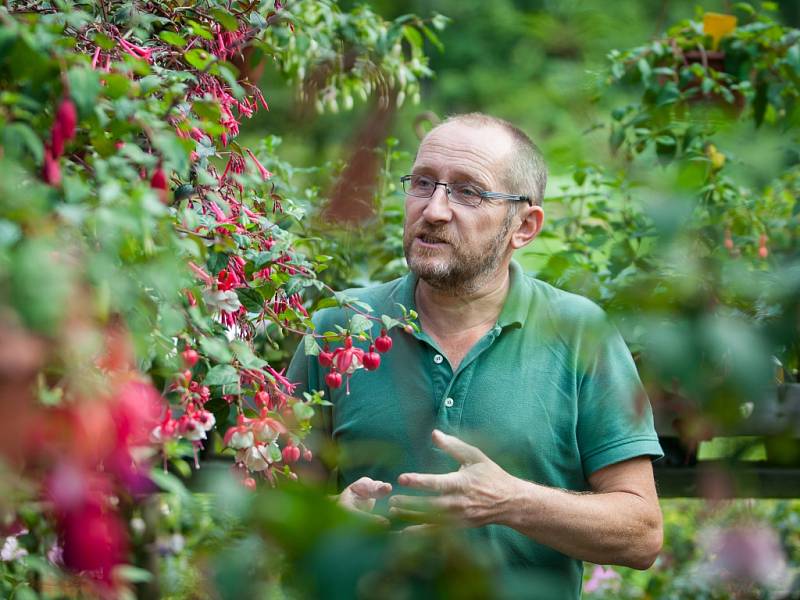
[[430, 240]]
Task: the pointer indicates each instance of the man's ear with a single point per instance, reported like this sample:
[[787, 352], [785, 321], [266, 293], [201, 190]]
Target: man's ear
[[531, 220]]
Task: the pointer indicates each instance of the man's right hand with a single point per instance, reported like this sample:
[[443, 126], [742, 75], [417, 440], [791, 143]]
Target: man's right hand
[[360, 497]]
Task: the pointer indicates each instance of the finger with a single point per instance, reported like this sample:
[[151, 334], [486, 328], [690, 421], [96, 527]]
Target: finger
[[424, 528], [458, 449], [417, 516], [370, 488], [418, 503], [446, 483]]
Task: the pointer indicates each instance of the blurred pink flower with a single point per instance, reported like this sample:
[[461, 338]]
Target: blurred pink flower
[[599, 578]]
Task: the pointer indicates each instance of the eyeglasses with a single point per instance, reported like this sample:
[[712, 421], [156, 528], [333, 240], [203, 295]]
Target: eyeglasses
[[421, 186]]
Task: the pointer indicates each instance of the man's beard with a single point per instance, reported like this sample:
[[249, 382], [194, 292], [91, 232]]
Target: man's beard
[[465, 269]]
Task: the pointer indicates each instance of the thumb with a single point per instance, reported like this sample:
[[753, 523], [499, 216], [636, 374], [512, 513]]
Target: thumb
[[458, 449], [370, 488]]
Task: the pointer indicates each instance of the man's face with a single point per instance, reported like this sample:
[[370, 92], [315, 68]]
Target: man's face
[[450, 246]]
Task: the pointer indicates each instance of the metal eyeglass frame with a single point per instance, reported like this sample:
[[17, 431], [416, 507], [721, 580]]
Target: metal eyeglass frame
[[448, 190]]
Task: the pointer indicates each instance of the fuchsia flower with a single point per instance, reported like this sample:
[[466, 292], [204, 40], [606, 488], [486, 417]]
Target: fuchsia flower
[[261, 169]]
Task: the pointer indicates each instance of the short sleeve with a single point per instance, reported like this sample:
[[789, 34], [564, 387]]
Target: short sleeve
[[615, 420]]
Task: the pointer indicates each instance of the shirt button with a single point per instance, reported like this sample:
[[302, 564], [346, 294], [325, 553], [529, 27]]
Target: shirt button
[[438, 359], [448, 402]]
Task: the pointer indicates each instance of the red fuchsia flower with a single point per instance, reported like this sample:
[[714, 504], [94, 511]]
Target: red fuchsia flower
[[201, 274], [51, 170], [762, 246], [135, 50], [262, 399], [239, 436], [95, 57], [235, 164], [166, 430], [64, 126], [261, 169], [227, 280]]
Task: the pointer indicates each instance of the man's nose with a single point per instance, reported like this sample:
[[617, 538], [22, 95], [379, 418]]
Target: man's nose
[[438, 208]]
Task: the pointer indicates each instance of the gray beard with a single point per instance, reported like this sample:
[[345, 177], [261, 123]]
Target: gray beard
[[466, 271]]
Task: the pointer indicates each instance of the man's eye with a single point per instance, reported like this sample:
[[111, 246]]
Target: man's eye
[[469, 192], [423, 183]]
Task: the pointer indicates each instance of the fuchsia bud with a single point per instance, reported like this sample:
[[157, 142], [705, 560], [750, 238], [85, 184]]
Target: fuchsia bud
[[307, 455], [325, 357], [67, 118], [383, 343], [190, 357], [290, 453], [51, 170], [371, 360], [262, 399], [333, 379]]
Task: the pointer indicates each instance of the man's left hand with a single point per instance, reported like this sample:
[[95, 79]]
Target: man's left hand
[[473, 496]]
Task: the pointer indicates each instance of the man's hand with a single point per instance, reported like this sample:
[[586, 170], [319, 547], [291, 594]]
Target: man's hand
[[360, 497], [473, 496]]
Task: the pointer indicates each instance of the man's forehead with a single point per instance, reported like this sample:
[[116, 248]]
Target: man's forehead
[[493, 139]]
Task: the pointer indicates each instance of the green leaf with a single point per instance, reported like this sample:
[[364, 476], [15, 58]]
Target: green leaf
[[433, 38], [222, 375], [173, 39], [303, 411], [310, 345], [84, 87], [251, 299], [413, 36], [225, 19], [19, 139], [359, 324], [217, 349], [246, 357], [132, 574], [389, 322], [199, 59], [169, 483]]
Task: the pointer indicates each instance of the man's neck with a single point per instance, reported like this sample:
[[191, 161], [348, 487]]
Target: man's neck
[[448, 312]]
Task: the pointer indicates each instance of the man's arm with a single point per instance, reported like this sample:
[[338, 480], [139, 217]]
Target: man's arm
[[618, 522]]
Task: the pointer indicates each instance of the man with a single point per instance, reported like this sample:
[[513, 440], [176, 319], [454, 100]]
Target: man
[[516, 411]]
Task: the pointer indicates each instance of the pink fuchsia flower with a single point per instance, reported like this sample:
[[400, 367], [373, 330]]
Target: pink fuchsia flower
[[261, 169], [600, 579], [255, 458], [267, 429], [240, 435]]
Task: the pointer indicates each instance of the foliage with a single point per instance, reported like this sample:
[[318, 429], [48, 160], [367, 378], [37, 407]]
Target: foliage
[[143, 248], [697, 257]]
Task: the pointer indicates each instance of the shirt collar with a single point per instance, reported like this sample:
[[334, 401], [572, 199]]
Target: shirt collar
[[516, 306]]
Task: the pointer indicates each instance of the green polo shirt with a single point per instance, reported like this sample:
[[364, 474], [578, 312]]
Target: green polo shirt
[[550, 393]]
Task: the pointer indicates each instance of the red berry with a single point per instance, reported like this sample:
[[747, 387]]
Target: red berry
[[384, 342], [371, 360], [190, 357], [333, 379]]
